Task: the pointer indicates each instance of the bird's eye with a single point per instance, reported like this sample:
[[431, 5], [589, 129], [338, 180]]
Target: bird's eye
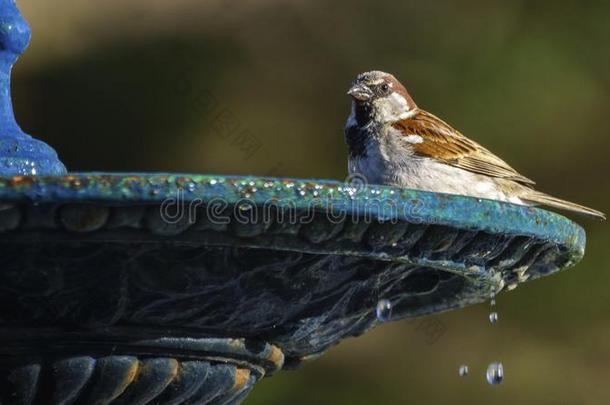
[[385, 87]]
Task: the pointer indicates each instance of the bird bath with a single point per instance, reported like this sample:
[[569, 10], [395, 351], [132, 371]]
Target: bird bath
[[187, 288]]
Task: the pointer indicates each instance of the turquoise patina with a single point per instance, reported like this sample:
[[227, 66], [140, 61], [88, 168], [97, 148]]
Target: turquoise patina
[[431, 252]]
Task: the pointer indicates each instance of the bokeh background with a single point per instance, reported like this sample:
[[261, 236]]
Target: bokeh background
[[139, 85]]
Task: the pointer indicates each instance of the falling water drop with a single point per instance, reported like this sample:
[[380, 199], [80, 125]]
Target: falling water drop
[[493, 317], [384, 310], [463, 370], [495, 373]]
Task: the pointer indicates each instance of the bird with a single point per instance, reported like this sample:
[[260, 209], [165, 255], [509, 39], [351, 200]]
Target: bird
[[391, 141]]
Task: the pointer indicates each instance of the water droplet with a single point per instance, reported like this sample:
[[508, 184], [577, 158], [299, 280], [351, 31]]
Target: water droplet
[[384, 310], [191, 186], [463, 370], [493, 317], [245, 207], [495, 373]]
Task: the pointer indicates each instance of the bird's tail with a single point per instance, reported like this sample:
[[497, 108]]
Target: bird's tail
[[537, 197]]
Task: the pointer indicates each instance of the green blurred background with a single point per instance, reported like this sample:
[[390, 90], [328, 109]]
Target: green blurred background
[[138, 86]]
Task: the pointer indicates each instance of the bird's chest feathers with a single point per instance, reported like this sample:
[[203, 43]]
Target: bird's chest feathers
[[385, 156], [384, 148]]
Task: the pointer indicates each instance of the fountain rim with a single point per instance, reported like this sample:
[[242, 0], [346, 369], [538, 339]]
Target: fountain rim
[[121, 188]]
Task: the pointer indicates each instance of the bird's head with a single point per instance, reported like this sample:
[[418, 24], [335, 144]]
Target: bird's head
[[382, 96]]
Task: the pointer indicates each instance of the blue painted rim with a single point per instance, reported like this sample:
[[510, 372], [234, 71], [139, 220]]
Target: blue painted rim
[[402, 204]]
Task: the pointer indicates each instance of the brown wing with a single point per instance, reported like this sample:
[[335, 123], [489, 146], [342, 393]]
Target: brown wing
[[442, 142]]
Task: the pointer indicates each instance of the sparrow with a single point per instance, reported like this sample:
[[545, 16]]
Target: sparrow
[[391, 141]]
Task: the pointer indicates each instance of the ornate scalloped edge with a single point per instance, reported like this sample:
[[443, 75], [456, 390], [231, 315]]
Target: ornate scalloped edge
[[430, 208]]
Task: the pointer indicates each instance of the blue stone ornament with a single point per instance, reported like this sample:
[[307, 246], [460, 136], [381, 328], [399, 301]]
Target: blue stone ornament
[[20, 154]]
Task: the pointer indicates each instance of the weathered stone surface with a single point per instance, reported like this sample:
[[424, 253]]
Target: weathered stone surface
[[287, 267]]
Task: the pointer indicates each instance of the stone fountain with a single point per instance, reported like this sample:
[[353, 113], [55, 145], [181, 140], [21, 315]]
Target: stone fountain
[[130, 288]]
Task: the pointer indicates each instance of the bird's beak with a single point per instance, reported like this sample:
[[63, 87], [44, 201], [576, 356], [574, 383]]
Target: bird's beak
[[360, 92]]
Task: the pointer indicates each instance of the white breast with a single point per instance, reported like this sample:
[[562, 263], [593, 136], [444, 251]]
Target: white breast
[[389, 161]]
